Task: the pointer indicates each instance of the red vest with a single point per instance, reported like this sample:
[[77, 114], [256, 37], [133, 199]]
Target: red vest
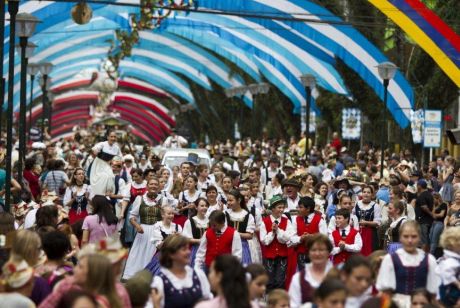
[[136, 192], [311, 228], [217, 246], [350, 239], [275, 249]]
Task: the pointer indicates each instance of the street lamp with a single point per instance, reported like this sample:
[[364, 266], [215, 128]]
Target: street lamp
[[13, 10], [309, 82], [32, 70], [45, 68], [387, 71], [25, 27]]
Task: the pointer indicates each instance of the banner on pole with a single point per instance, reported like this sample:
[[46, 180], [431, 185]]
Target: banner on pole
[[351, 123], [433, 129], [312, 124], [417, 119]]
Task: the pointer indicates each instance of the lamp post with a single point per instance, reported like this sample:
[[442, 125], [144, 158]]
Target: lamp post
[[32, 70], [44, 68], [13, 10], [309, 82], [387, 71], [2, 47], [256, 89]]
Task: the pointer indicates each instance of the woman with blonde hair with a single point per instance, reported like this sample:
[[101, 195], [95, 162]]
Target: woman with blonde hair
[[453, 213], [94, 274]]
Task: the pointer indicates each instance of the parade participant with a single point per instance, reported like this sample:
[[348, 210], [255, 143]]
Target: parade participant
[[291, 191], [306, 224], [204, 181], [321, 190], [102, 223], [179, 179], [77, 196], [177, 284], [308, 183], [169, 199], [304, 282], [100, 174], [196, 226], [32, 175], [219, 239], [396, 212], [421, 298], [340, 184], [448, 268], [258, 282], [268, 173], [408, 268], [368, 213], [225, 188], [274, 187], [162, 230], [144, 164], [356, 274], [72, 163], [345, 238], [214, 202], [128, 166], [227, 278], [186, 206], [56, 179], [331, 293], [453, 213], [137, 187], [145, 213], [256, 202], [93, 273], [175, 141], [19, 211], [344, 203], [275, 232], [278, 298], [239, 218], [120, 182]]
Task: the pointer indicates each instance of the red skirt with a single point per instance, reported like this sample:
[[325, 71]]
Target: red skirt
[[368, 235], [74, 217], [291, 266]]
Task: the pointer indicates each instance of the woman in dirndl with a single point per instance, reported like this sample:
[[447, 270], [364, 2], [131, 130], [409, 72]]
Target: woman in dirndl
[[187, 198], [162, 230], [136, 188], [396, 211], [368, 213], [196, 226], [76, 196], [239, 218], [146, 212]]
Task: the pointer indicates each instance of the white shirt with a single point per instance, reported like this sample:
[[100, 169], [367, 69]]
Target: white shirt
[[105, 147], [174, 142], [365, 207], [237, 249], [199, 223], [355, 247], [258, 216], [159, 227], [215, 207], [295, 239], [295, 291], [448, 267], [127, 191], [387, 278], [292, 204], [185, 196], [283, 236], [182, 283], [159, 200], [70, 190]]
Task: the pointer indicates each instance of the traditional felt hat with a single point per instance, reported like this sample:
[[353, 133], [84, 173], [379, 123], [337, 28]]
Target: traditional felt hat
[[342, 179], [291, 182], [275, 200]]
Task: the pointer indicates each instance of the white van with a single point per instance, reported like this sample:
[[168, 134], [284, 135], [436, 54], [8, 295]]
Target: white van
[[174, 157]]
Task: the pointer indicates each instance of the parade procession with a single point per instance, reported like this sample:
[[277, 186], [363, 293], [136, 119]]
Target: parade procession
[[230, 154]]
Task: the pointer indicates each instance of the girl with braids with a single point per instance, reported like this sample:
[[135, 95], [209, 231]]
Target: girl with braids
[[196, 226], [76, 196], [396, 212], [368, 213], [146, 212], [186, 206], [163, 229], [228, 279], [136, 188], [239, 218]]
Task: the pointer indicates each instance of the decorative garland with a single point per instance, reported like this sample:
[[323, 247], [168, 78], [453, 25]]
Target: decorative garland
[[152, 13]]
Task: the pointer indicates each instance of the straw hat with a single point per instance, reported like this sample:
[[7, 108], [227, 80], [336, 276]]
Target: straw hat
[[108, 247], [20, 209], [17, 275]]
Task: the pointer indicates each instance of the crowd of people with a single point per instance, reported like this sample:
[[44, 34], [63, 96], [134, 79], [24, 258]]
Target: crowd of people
[[266, 224]]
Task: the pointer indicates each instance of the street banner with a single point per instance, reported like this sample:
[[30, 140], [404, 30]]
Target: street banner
[[433, 129], [417, 119], [351, 123]]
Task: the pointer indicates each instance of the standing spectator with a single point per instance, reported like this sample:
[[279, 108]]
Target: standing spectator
[[175, 141], [56, 179], [439, 215], [423, 212], [453, 214], [32, 177], [103, 222], [336, 143]]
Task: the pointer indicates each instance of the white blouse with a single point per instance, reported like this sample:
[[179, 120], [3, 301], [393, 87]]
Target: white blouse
[[240, 216], [199, 223], [283, 236], [160, 227], [182, 283], [159, 200], [185, 195], [386, 280]]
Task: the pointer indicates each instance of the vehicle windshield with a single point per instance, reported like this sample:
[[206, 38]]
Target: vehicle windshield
[[172, 161]]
